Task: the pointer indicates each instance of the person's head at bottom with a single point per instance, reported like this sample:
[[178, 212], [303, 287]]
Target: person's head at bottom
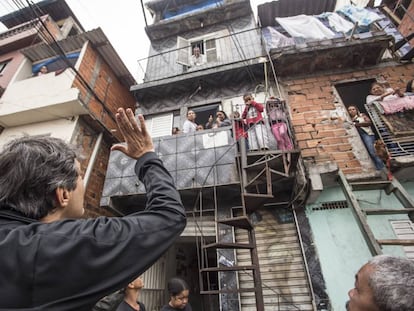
[[384, 283], [179, 292], [41, 178]]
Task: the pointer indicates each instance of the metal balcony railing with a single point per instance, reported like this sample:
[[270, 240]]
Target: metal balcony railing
[[397, 145], [220, 49]]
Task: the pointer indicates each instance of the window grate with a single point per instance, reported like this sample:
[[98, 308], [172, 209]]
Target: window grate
[[331, 205]]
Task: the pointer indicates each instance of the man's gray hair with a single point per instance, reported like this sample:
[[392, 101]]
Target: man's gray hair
[[392, 283], [32, 168]]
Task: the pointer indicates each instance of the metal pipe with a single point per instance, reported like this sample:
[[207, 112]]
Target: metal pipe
[[305, 261], [92, 159]]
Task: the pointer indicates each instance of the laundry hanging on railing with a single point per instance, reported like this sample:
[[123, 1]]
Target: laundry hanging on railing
[[363, 16], [305, 26], [337, 22]]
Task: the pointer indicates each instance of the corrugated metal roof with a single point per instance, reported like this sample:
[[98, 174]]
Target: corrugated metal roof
[[74, 43], [283, 8]]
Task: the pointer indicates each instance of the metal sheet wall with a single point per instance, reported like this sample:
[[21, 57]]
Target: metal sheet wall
[[285, 285]]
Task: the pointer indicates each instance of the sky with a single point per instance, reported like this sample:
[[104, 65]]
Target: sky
[[122, 22]]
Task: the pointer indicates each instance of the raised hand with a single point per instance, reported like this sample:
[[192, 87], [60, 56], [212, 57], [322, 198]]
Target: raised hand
[[138, 141]]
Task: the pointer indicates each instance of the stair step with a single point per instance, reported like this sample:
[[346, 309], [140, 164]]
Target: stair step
[[225, 268], [387, 211], [241, 222], [257, 195], [401, 242], [228, 291], [370, 185], [229, 245]]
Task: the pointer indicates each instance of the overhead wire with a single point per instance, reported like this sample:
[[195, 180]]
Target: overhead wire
[[55, 45]]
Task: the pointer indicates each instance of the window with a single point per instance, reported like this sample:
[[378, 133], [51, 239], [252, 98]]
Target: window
[[208, 46], [404, 229], [160, 125], [204, 112]]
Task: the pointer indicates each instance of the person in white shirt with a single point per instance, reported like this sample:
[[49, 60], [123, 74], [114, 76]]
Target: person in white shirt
[[189, 125], [197, 58]]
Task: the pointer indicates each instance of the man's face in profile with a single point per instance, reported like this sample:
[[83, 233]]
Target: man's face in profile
[[361, 297]]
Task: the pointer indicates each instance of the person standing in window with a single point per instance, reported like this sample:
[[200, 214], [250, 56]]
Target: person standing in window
[[197, 58], [43, 70], [189, 125], [221, 120], [363, 125]]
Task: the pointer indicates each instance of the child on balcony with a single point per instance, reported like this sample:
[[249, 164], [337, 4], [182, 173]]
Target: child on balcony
[[278, 123], [257, 134]]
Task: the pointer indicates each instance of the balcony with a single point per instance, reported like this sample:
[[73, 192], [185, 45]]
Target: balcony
[[172, 18], [396, 131], [224, 56], [207, 160], [40, 98]]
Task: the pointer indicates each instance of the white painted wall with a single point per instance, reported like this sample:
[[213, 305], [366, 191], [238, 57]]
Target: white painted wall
[[40, 98], [61, 128]]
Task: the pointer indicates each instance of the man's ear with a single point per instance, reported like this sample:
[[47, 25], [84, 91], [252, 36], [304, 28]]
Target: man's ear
[[62, 197]]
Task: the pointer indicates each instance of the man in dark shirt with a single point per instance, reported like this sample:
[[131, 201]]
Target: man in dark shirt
[[52, 261]]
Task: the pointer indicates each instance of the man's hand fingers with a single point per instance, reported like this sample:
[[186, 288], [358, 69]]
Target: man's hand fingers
[[119, 147], [142, 124]]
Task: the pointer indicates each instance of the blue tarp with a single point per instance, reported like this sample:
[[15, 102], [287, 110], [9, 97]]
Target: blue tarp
[[49, 61], [192, 8]]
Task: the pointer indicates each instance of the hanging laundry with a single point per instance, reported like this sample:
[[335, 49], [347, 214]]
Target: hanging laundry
[[363, 16], [337, 22], [305, 26], [274, 39]]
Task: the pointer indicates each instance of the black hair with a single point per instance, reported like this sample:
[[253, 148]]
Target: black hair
[[225, 115], [32, 168], [176, 286]]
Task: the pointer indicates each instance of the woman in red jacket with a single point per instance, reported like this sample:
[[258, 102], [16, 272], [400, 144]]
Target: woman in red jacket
[[257, 133]]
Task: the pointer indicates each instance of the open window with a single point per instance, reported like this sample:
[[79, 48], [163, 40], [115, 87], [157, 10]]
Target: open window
[[204, 112], [207, 45]]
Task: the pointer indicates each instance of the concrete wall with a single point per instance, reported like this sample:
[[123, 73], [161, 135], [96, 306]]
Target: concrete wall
[[339, 243], [61, 128]]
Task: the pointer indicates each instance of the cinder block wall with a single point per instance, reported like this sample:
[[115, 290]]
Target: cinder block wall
[[311, 99]]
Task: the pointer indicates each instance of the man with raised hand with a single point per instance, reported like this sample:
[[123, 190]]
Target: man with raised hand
[[52, 260]]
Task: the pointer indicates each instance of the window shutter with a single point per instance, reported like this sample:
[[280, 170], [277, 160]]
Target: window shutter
[[183, 48], [404, 229], [160, 125], [211, 50]]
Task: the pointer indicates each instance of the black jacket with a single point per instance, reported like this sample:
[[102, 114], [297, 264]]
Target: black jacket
[[71, 264]]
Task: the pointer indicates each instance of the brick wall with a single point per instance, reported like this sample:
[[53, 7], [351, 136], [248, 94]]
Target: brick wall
[[85, 138], [312, 100], [107, 88]]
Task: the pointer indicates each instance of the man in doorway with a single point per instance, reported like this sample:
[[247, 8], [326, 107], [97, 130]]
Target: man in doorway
[[385, 283], [52, 260]]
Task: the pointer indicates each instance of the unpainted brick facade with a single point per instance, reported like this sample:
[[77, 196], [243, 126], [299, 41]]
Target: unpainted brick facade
[[312, 100], [109, 95]]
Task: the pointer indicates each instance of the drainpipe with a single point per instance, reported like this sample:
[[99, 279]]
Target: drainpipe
[[92, 159]]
